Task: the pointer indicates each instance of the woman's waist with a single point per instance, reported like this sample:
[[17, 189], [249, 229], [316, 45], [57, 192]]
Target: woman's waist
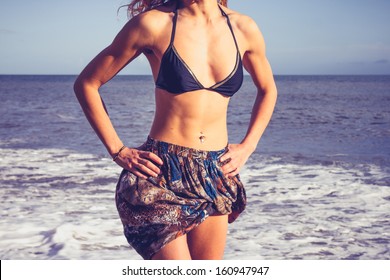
[[162, 148], [211, 136]]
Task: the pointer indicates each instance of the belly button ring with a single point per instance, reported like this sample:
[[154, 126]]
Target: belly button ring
[[202, 138]]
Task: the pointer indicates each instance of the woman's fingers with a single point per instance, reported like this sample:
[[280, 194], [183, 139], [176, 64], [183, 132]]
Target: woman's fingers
[[226, 157], [137, 173], [233, 160], [233, 173], [230, 169], [148, 167], [232, 152], [152, 156], [151, 161], [140, 163], [228, 161]]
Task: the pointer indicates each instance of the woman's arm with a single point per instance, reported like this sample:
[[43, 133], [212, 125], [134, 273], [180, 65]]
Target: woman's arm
[[128, 44], [256, 63]]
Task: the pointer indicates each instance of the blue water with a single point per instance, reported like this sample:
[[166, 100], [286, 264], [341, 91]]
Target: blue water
[[318, 117], [318, 184]]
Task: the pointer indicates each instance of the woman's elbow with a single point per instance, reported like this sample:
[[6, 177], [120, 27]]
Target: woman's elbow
[[274, 91], [78, 85], [81, 85], [270, 91]]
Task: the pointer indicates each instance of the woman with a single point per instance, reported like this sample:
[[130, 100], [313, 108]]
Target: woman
[[179, 190]]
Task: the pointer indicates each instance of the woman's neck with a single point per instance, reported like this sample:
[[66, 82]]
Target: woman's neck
[[200, 8]]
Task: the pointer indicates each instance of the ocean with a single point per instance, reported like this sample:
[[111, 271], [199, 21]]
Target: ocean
[[318, 185]]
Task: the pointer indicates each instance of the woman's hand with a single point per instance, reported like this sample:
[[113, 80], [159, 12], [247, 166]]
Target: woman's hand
[[234, 159], [141, 163]]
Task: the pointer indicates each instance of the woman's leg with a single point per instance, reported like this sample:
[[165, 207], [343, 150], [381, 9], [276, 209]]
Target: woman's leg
[[177, 249], [207, 241]]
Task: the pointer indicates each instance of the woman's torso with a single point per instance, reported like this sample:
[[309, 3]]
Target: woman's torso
[[195, 118]]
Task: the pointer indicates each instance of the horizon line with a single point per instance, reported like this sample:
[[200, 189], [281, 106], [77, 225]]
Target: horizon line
[[246, 75]]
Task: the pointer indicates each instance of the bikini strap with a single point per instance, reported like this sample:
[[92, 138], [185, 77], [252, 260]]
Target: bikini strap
[[230, 26], [173, 27]]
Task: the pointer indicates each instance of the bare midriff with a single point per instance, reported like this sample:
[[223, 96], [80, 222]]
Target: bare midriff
[[195, 119]]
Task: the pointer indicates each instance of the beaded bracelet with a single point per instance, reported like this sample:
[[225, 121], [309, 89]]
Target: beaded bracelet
[[118, 153]]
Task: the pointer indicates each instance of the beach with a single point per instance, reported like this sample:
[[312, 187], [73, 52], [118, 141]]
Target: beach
[[318, 185]]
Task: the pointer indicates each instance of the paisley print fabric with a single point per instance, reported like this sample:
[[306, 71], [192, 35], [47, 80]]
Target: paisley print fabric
[[192, 186]]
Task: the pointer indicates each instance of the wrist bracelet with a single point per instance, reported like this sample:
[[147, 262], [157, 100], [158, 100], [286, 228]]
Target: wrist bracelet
[[118, 153]]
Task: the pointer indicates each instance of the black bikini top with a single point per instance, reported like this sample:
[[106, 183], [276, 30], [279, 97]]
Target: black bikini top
[[176, 77]]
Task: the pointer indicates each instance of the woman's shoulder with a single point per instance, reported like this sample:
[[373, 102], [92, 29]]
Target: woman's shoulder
[[152, 20], [242, 22]]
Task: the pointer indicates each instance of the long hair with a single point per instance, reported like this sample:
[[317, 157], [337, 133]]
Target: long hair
[[138, 6]]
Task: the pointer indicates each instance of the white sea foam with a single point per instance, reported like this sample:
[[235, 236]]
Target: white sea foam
[[59, 204]]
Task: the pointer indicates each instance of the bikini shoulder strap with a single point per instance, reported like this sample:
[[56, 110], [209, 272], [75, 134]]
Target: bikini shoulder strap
[[174, 20], [229, 24]]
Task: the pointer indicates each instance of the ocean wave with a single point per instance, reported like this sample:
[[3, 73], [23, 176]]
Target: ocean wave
[[59, 204]]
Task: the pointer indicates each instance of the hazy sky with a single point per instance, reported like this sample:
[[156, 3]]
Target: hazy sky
[[302, 36]]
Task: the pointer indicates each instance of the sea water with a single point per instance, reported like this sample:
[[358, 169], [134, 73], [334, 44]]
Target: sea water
[[318, 185]]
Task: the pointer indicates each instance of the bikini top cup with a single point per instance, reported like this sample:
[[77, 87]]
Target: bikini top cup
[[176, 77]]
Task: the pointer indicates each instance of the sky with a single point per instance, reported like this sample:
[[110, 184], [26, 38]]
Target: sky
[[303, 37]]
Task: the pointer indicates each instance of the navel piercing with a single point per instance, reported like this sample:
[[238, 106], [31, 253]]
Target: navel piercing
[[202, 138]]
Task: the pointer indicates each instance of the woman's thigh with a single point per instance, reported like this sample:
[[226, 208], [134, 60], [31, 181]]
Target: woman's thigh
[[207, 241], [177, 249]]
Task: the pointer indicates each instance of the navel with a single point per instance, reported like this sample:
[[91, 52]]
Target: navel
[[202, 137]]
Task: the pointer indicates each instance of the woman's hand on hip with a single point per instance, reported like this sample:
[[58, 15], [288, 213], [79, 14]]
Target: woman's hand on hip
[[234, 159], [143, 164]]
